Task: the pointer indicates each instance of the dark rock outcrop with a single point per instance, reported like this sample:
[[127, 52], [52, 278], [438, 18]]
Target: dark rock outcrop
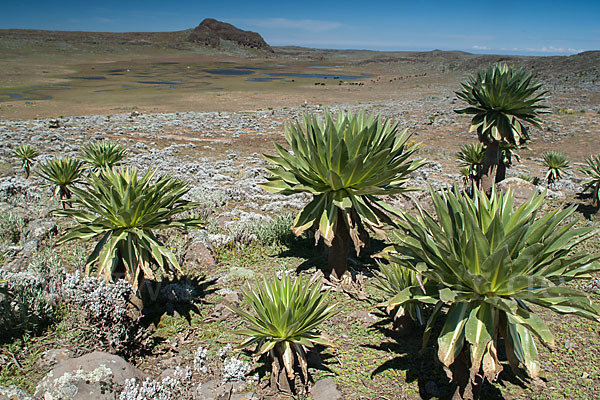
[[210, 32]]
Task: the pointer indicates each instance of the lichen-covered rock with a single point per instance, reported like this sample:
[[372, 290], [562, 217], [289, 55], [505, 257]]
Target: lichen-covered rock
[[13, 392], [98, 375]]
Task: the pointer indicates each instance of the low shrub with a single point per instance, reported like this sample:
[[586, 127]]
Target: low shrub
[[27, 305]]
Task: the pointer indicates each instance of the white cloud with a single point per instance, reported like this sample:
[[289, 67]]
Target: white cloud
[[478, 47], [310, 25], [546, 49]]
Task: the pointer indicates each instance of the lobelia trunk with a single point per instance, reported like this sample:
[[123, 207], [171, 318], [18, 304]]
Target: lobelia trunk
[[340, 246], [501, 172], [490, 168]]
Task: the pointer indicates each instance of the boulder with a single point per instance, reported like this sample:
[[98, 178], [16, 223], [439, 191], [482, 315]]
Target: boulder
[[98, 375], [325, 389], [199, 254], [522, 190]]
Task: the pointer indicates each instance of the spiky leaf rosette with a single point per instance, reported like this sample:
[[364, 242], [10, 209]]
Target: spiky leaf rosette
[[123, 211], [26, 154], [592, 171], [404, 290], [501, 99], [557, 163], [492, 264], [344, 164], [471, 157], [103, 154], [284, 319], [62, 173]]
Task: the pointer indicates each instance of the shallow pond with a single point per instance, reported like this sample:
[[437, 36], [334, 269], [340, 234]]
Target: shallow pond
[[224, 71], [159, 82], [171, 75], [317, 76]]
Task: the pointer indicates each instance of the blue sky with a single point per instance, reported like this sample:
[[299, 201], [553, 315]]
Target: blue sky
[[498, 27]]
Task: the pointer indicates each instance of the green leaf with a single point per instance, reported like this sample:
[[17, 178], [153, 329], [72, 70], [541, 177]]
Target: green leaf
[[451, 339], [479, 330]]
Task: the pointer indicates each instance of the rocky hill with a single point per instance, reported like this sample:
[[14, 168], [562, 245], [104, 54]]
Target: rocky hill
[[210, 32]]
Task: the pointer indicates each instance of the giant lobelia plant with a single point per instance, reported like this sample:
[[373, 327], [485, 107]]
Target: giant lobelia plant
[[470, 157], [122, 211], [283, 322], [493, 265], [501, 100], [103, 154], [27, 155], [396, 282], [63, 174], [557, 164], [345, 164], [592, 171]]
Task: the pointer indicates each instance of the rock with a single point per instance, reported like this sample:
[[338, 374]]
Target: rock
[[170, 363], [522, 190], [54, 124], [223, 392], [13, 392], [52, 357], [207, 390], [36, 232], [97, 375], [554, 195], [198, 254], [169, 372], [363, 316], [233, 298], [325, 389], [221, 313], [243, 396]]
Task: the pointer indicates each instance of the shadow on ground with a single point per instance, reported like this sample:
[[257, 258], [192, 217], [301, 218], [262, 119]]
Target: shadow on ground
[[180, 296], [585, 206], [421, 365]]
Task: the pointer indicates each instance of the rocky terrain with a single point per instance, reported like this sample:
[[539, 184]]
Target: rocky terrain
[[219, 155]]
